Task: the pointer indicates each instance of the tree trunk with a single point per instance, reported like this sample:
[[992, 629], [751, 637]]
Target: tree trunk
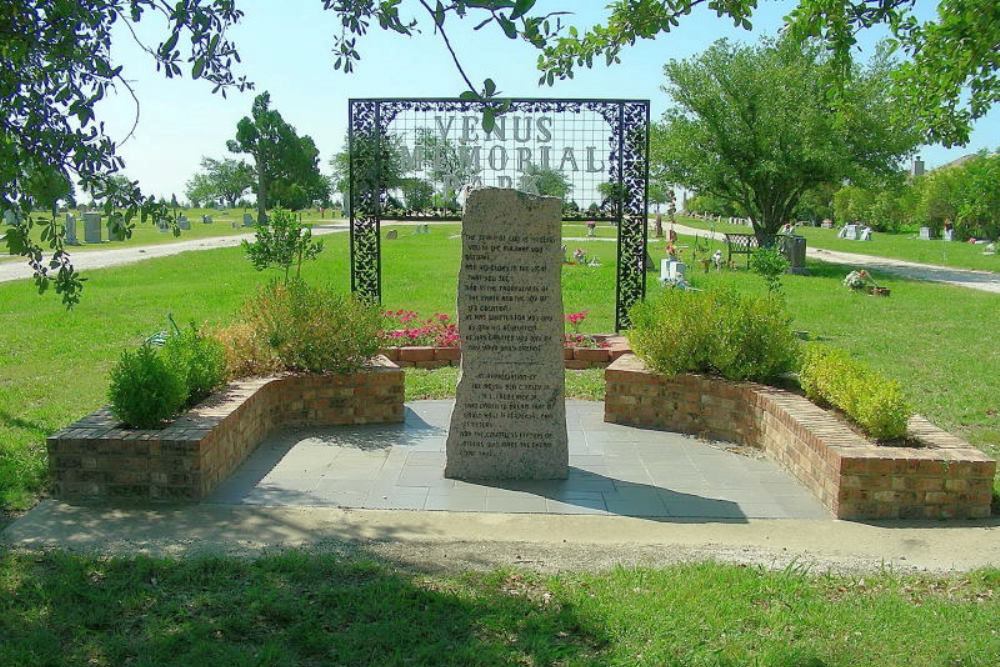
[[261, 193]]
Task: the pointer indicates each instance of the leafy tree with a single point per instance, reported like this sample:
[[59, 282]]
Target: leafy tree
[[282, 241], [300, 182], [752, 125], [938, 198], [851, 204], [707, 204], [418, 193], [200, 190], [285, 165], [448, 166], [390, 168], [548, 182], [816, 203], [55, 67], [224, 180], [979, 206], [949, 80]]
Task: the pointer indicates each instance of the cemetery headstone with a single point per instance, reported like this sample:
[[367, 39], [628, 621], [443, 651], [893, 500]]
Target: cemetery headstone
[[92, 227], [509, 420], [794, 250], [247, 220], [206, 219], [71, 229], [183, 222], [9, 218], [391, 234], [925, 233], [849, 232], [116, 231]]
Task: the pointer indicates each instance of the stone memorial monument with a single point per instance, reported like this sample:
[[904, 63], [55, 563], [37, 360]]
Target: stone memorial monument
[[92, 227], [247, 220], [183, 222], [509, 420], [71, 229]]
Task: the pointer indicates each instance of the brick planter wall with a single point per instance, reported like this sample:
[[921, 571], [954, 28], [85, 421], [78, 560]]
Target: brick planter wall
[[853, 477], [95, 458], [576, 358]]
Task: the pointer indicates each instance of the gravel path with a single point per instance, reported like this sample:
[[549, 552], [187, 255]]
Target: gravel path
[[984, 281], [100, 259]]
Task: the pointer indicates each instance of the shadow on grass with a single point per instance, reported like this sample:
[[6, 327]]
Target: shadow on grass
[[10, 421], [284, 609]]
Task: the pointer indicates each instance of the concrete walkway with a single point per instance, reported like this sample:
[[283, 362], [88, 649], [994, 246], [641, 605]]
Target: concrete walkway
[[614, 470], [446, 540], [985, 281]]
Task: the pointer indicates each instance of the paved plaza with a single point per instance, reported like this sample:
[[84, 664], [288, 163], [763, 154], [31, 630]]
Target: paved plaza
[[614, 470]]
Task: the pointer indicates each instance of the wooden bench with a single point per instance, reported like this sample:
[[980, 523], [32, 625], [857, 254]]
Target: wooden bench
[[741, 244]]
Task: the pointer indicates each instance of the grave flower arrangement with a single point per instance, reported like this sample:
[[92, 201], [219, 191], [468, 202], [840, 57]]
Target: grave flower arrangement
[[857, 280], [405, 328]]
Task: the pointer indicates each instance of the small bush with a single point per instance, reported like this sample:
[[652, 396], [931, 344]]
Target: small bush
[[201, 361], [246, 354], [770, 265], [145, 389], [738, 336], [876, 403], [312, 329]]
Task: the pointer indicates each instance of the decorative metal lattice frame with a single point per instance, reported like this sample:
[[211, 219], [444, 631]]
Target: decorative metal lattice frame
[[627, 136]]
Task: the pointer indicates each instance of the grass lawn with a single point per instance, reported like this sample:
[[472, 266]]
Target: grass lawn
[[904, 246], [294, 608], [53, 363]]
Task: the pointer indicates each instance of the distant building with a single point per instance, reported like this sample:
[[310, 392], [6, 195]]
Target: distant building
[[918, 167]]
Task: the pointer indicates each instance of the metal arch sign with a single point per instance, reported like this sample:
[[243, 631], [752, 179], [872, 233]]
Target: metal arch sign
[[416, 159]]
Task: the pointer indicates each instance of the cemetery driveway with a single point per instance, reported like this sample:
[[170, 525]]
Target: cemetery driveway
[[101, 259], [985, 281]]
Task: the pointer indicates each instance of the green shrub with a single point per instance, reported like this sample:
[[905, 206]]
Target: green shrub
[[876, 403], [201, 361], [770, 265], [145, 389], [738, 336], [313, 329]]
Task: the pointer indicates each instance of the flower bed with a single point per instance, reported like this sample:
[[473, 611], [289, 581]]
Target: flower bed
[[855, 478], [96, 458], [434, 342], [597, 352]]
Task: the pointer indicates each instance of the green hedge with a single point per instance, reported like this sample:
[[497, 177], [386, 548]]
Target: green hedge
[[723, 332], [876, 403]]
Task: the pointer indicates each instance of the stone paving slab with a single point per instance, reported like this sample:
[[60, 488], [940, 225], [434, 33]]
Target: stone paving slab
[[614, 470]]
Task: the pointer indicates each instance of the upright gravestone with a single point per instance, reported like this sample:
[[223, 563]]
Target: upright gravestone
[[509, 420], [92, 227], [71, 229], [247, 220], [9, 218], [183, 222]]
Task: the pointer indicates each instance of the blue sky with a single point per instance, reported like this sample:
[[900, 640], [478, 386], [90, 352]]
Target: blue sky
[[286, 47]]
